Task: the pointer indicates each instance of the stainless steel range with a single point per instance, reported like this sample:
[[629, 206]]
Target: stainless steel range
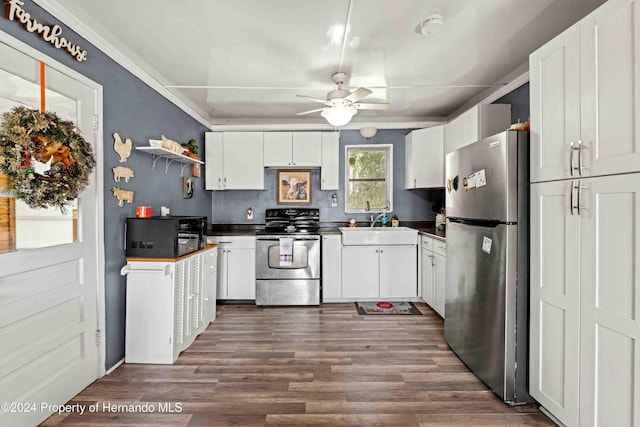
[[288, 258]]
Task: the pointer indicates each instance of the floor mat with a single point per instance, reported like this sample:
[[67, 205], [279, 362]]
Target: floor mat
[[385, 307]]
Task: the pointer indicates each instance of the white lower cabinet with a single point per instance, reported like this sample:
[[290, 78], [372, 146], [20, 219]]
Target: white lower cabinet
[[433, 258], [209, 281], [331, 266], [585, 299], [236, 267], [379, 272], [165, 306]]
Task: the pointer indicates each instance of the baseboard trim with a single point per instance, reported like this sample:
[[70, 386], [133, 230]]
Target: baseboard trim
[[114, 367]]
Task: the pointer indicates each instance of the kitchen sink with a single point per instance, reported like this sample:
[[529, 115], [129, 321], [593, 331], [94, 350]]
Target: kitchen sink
[[378, 236]]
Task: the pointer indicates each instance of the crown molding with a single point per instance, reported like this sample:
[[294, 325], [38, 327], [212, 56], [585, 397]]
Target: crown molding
[[84, 31], [251, 125]]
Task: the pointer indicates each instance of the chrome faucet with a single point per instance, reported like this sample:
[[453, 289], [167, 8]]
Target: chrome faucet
[[374, 218]]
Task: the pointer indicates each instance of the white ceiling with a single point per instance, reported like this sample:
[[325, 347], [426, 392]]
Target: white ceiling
[[244, 61]]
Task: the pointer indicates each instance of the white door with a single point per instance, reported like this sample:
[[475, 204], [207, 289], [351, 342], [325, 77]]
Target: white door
[[555, 299], [439, 283], [610, 301], [427, 276], [243, 161], [331, 266], [209, 284], [214, 172], [48, 287], [241, 273], [554, 72], [329, 171], [277, 149], [610, 58], [360, 272], [306, 149], [398, 271]]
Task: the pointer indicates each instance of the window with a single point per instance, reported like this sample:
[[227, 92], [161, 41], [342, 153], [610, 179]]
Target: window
[[368, 178], [22, 227]]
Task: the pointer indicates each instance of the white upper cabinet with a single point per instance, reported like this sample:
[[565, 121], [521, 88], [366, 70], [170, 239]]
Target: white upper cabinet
[[585, 97], [298, 149], [277, 148], [329, 171], [307, 149], [236, 161], [480, 121], [424, 158], [554, 73], [213, 161]]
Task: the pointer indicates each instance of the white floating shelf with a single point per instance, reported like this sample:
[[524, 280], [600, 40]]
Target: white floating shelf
[[169, 156]]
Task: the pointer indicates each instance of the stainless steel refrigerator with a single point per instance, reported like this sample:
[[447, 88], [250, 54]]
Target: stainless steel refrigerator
[[487, 292]]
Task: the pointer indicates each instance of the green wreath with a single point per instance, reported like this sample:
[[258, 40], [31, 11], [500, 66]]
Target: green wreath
[[47, 161]]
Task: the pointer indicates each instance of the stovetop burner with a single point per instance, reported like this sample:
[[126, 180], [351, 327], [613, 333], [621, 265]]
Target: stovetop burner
[[291, 221]]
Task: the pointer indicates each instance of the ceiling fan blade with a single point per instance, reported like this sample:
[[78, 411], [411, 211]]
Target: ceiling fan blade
[[310, 111], [324, 101], [382, 106], [361, 92]]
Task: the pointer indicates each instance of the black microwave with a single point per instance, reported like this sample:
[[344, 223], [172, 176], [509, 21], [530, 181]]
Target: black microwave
[[164, 236]]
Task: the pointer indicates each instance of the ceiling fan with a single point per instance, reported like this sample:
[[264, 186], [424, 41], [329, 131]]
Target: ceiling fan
[[341, 104]]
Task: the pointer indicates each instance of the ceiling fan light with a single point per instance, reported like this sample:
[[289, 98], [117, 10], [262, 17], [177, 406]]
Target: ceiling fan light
[[339, 115]]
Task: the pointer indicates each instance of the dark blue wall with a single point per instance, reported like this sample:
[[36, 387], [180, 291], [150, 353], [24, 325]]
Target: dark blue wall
[[519, 100], [231, 206], [134, 110]]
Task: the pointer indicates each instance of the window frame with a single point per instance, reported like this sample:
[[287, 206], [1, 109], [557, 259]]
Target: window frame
[[388, 148]]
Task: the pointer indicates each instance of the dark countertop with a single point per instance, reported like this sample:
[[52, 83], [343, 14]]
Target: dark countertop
[[423, 227], [234, 229]]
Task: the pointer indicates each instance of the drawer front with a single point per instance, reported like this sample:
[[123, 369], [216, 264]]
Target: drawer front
[[440, 247], [237, 242], [427, 243]]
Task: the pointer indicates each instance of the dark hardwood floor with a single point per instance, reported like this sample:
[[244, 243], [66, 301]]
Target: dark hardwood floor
[[299, 366]]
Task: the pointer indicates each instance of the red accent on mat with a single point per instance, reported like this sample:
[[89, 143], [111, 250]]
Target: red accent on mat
[[384, 305]]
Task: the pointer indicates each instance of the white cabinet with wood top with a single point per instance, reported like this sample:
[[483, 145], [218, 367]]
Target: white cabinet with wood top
[[297, 149], [167, 305], [234, 161], [424, 158]]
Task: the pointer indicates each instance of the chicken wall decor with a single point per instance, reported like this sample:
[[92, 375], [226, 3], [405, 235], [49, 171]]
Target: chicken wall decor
[[122, 148]]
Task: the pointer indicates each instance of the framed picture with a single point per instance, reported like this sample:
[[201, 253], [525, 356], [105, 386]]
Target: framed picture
[[294, 187], [187, 187]]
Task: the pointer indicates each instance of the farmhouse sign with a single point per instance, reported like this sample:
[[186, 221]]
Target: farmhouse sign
[[13, 11]]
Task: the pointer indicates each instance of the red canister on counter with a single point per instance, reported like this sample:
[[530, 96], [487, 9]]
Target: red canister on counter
[[143, 211]]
